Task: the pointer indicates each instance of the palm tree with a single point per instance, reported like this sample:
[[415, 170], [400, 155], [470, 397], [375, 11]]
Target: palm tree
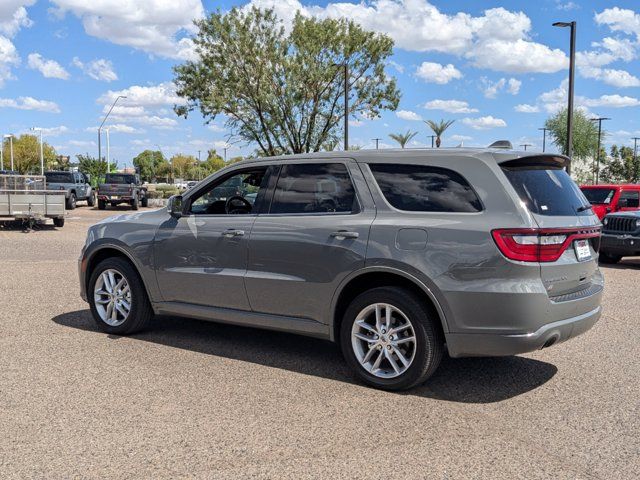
[[403, 138], [438, 128]]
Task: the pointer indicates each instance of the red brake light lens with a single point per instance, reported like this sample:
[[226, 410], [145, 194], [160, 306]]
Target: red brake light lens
[[539, 245]]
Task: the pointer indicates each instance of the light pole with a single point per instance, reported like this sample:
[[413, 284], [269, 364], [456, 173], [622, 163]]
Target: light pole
[[544, 138], [599, 120], [108, 147], [100, 128], [572, 67], [225, 154], [376, 140], [525, 145], [10, 137], [38, 129], [635, 149], [433, 137]]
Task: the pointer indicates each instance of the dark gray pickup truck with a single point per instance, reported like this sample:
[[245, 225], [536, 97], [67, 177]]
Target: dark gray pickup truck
[[122, 188], [75, 184]]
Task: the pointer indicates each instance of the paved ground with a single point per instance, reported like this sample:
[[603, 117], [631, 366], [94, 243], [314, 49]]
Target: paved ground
[[194, 399]]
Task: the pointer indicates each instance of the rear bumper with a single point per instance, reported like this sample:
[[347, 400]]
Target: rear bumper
[[115, 198], [622, 244], [489, 345]]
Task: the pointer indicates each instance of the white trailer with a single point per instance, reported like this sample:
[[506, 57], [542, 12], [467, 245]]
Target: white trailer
[[26, 198]]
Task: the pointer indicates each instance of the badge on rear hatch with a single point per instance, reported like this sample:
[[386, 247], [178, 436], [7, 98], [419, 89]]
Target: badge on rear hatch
[[583, 252]]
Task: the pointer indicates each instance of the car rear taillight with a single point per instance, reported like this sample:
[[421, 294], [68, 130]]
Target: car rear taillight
[[539, 244]]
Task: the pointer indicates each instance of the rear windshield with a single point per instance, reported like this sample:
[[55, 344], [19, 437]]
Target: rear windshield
[[548, 191], [59, 177], [120, 178], [599, 196]]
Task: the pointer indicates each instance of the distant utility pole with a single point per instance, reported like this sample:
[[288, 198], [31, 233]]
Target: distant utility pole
[[544, 138], [102, 124], [198, 155], [635, 148], [525, 145], [433, 137], [599, 120], [572, 68], [376, 140]]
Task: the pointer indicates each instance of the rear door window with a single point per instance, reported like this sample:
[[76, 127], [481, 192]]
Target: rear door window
[[421, 188], [629, 199], [599, 196], [547, 191]]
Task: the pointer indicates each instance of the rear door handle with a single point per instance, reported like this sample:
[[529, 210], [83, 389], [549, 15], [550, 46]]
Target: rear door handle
[[233, 233], [342, 234]]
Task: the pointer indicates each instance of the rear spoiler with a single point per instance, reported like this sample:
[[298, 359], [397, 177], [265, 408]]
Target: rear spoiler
[[542, 161]]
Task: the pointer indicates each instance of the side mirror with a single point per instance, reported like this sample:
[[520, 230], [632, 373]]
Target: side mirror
[[174, 206]]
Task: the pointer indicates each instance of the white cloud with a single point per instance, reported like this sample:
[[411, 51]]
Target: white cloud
[[513, 86], [13, 17], [611, 101], [153, 26], [451, 106], [491, 89], [82, 143], [99, 69], [356, 123], [619, 20], [460, 138], [8, 58], [55, 131], [408, 115], [484, 123], [436, 73], [115, 127], [396, 65], [526, 108], [567, 6], [610, 76], [163, 94], [30, 103], [48, 68]]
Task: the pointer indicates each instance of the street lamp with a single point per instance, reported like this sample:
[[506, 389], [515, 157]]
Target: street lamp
[[108, 147], [544, 138], [599, 120], [572, 65], [10, 137], [100, 128], [38, 129]]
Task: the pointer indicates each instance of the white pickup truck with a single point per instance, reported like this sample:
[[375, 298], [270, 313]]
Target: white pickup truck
[[26, 198]]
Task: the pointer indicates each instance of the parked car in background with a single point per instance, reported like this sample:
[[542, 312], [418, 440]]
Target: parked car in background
[[612, 198], [398, 255], [76, 187], [191, 184], [8, 172], [122, 188], [620, 236]]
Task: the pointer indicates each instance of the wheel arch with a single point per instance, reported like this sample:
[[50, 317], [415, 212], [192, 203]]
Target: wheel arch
[[369, 278]]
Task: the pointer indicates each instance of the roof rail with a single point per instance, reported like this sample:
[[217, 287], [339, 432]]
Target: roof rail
[[503, 144]]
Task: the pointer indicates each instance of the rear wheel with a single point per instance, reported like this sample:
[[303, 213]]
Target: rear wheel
[[102, 204], [390, 339], [58, 222], [71, 201], [145, 202], [118, 300], [609, 258], [91, 200]]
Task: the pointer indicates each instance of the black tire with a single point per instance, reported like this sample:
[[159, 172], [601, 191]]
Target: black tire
[[141, 312], [71, 201], [609, 258], [429, 345], [145, 202], [102, 204], [91, 200], [135, 203], [58, 222], [114, 204]]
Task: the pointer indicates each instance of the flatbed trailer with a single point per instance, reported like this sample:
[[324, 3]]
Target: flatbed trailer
[[26, 198]]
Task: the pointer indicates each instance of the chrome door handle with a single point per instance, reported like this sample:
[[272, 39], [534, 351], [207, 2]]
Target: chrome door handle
[[233, 233], [342, 234]]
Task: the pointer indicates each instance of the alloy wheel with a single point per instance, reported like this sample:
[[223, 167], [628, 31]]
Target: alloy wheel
[[112, 297]]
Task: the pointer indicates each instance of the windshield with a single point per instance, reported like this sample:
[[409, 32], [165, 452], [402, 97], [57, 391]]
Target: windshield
[[548, 191], [120, 178], [59, 177], [599, 196]]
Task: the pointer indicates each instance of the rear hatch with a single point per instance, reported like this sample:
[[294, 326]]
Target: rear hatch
[[568, 232]]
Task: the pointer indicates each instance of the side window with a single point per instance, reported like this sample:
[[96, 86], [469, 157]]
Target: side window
[[420, 188], [314, 188], [631, 198], [233, 195]]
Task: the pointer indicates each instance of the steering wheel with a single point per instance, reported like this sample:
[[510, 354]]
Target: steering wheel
[[237, 205]]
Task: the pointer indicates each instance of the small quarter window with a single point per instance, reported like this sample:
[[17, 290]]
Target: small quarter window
[[421, 188]]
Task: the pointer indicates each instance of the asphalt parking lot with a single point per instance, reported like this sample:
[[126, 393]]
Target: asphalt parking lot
[[197, 399]]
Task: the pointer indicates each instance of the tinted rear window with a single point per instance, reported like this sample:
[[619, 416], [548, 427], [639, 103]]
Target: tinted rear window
[[547, 191], [599, 196], [420, 188], [117, 178], [59, 177]]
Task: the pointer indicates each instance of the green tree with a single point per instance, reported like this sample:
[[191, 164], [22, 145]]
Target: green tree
[[403, 138], [94, 167], [280, 89], [26, 154], [621, 166], [184, 166], [213, 163], [585, 133], [438, 128], [150, 164]]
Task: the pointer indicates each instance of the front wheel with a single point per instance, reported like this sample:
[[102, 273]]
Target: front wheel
[[58, 222], [71, 201], [145, 202], [391, 339], [91, 200], [135, 203], [117, 297]]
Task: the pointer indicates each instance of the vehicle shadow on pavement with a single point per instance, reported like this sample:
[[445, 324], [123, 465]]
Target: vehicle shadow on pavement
[[468, 380], [626, 264]]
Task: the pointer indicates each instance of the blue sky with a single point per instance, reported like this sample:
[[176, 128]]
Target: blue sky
[[498, 68]]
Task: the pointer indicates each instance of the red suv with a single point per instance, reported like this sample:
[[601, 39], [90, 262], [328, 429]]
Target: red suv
[[612, 198]]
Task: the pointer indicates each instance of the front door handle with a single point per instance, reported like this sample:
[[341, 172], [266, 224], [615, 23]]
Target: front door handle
[[342, 234], [233, 233]]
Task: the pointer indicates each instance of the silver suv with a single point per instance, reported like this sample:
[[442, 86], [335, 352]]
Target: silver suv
[[398, 256]]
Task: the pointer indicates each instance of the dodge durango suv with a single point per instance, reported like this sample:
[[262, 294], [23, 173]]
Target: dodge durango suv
[[398, 256]]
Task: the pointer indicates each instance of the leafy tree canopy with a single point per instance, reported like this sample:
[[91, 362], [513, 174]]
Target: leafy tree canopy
[[26, 154], [151, 164], [585, 133], [283, 90], [621, 167], [94, 167]]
